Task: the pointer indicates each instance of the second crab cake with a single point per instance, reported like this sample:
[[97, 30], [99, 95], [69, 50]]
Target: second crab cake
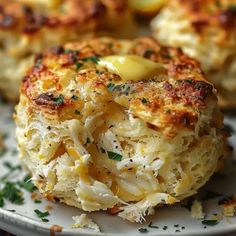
[[206, 31], [30, 26], [118, 125]]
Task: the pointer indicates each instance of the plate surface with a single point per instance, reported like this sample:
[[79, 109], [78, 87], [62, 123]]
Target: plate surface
[[175, 220]]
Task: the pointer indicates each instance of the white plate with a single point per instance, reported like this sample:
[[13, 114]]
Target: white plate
[[24, 221]]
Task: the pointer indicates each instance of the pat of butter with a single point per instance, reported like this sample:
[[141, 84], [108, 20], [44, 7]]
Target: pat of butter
[[130, 67]]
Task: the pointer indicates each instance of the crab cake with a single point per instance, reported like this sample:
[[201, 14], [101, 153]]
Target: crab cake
[[29, 26], [206, 31], [118, 125]]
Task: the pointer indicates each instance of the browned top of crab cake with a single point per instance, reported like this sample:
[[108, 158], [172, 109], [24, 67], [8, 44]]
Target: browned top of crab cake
[[30, 16], [203, 13], [68, 82]]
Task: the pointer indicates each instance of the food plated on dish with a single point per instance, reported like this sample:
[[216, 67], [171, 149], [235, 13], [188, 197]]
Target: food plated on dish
[[118, 125], [205, 30], [114, 126], [30, 26]]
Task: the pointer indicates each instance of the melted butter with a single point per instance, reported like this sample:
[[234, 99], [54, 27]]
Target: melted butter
[[130, 67]]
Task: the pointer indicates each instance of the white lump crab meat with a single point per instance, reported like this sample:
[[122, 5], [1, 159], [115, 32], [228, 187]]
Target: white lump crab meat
[[96, 137]]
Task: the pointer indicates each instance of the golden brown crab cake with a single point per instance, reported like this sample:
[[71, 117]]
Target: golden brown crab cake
[[117, 124], [29, 26], [206, 31]]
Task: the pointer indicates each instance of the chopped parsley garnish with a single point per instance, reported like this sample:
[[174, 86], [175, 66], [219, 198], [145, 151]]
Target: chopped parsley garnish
[[12, 210], [165, 227], [27, 184], [144, 101], [59, 100], [78, 65], [111, 87], [12, 193], [67, 51], [210, 222], [37, 201], [153, 226], [168, 111], [93, 59], [41, 214], [123, 88], [114, 156], [38, 63], [45, 220], [143, 230], [1, 200], [77, 112], [88, 140], [74, 97], [10, 167]]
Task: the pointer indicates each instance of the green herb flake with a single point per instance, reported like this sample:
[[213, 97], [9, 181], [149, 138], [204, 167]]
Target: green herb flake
[[78, 65], [88, 140], [74, 97], [37, 201], [59, 100], [1, 201], [165, 227], [150, 225], [111, 87], [38, 63], [210, 222], [10, 167], [12, 193], [12, 210], [27, 184], [77, 112], [143, 230], [114, 156], [144, 101], [41, 214], [67, 51], [93, 59], [45, 220]]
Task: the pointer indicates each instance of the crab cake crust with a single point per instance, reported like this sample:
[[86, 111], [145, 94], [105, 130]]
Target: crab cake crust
[[30, 26], [205, 30], [96, 141]]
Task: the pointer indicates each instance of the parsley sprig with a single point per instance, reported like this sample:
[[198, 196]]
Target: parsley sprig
[[42, 215], [114, 156]]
